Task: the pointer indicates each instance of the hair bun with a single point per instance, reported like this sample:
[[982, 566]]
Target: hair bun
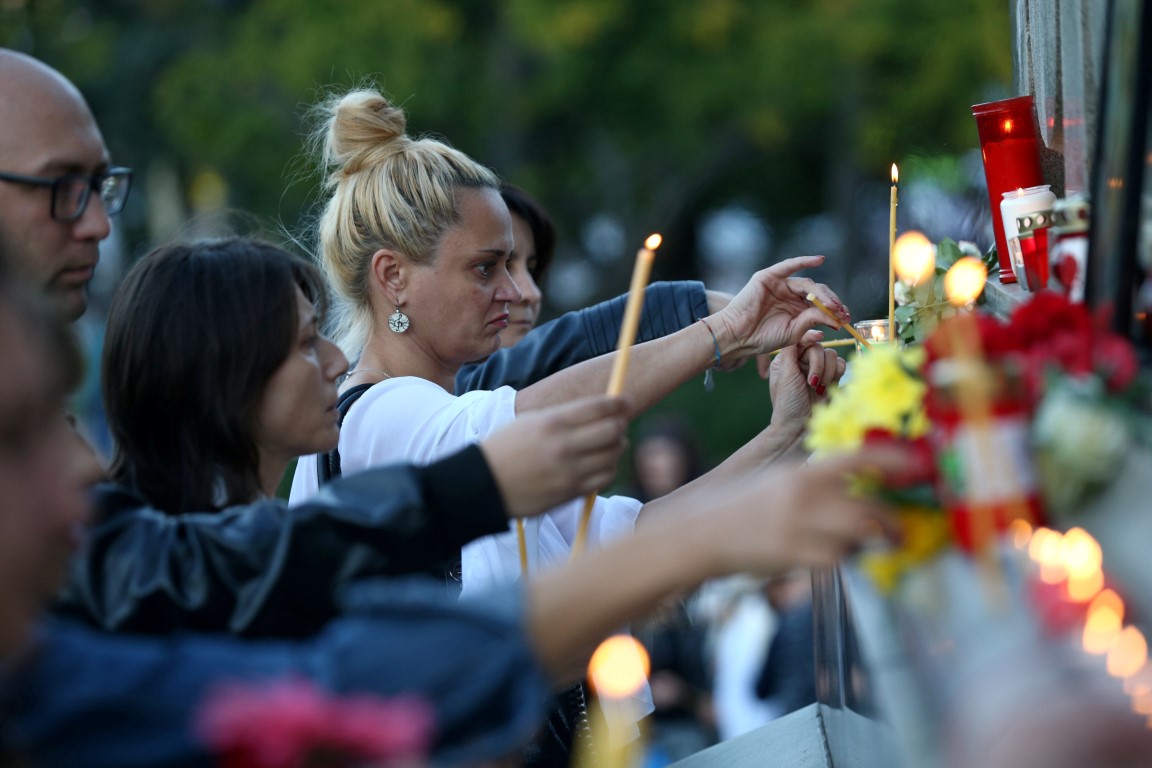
[[362, 129]]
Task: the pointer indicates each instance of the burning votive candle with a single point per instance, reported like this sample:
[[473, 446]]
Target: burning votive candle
[[875, 331], [1029, 256]]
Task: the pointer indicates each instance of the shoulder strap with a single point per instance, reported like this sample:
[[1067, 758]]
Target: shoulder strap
[[328, 464]]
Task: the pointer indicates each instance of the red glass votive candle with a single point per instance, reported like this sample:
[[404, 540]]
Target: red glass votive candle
[[1027, 214], [1010, 145]]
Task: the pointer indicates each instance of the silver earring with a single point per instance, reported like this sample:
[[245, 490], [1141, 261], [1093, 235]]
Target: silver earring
[[398, 321]]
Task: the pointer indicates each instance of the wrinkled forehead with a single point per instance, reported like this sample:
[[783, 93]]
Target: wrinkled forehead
[[45, 126]]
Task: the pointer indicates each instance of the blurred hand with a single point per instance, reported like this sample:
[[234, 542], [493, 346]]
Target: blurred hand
[[772, 311], [799, 516], [556, 454]]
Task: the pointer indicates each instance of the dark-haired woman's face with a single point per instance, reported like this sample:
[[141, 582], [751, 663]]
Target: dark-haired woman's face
[[297, 413], [523, 314]]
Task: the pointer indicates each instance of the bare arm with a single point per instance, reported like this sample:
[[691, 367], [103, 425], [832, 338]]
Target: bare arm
[[787, 518]]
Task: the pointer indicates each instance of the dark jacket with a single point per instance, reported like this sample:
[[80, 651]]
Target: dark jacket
[[89, 699], [266, 570]]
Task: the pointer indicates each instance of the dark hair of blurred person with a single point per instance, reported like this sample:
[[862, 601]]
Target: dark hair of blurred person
[[664, 457]]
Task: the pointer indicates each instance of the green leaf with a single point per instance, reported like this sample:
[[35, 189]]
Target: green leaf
[[947, 253]]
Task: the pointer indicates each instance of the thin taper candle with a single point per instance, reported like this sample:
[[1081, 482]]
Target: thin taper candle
[[811, 298], [628, 330], [891, 255]]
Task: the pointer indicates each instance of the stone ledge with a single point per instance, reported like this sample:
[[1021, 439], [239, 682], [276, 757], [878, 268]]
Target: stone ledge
[[1001, 299]]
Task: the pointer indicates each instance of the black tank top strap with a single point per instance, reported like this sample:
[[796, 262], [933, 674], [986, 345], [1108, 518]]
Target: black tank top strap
[[328, 464]]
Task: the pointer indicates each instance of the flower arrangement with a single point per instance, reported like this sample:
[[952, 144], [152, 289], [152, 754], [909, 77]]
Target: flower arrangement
[[921, 306], [1062, 397], [292, 724]]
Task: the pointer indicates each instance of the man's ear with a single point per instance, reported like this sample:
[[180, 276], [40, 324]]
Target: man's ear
[[389, 273]]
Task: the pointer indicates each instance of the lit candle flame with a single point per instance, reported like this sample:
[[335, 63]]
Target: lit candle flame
[[1103, 622], [964, 282], [914, 256], [619, 667], [653, 242], [895, 175], [1008, 125], [1021, 531], [1128, 654], [878, 333]]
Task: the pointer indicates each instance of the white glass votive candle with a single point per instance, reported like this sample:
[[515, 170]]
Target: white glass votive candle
[[1015, 205]]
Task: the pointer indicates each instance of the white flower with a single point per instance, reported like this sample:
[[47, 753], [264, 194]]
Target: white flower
[[969, 248], [903, 293], [1080, 442]]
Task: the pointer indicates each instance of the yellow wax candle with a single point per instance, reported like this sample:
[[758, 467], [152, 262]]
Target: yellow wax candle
[[891, 253], [628, 330], [617, 670], [811, 298]]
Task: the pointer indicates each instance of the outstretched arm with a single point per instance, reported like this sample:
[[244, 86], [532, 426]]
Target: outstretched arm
[[769, 313], [790, 517]]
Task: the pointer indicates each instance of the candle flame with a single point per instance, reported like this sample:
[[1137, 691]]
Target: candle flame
[[1021, 531], [1103, 621], [653, 242], [879, 333], [914, 257], [619, 667], [964, 282], [895, 174], [1128, 654], [1008, 125]]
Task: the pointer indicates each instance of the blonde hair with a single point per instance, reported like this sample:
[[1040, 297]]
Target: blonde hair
[[388, 190]]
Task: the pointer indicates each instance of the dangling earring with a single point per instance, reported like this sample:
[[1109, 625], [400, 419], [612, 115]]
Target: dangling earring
[[398, 321]]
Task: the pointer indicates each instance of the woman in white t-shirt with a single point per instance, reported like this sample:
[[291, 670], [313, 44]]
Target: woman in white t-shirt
[[414, 242]]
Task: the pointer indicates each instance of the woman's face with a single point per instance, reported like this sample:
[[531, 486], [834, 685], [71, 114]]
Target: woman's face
[[523, 314], [297, 413], [459, 302], [46, 470]]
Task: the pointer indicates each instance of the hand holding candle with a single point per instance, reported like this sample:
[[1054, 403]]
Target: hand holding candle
[[628, 330], [832, 316]]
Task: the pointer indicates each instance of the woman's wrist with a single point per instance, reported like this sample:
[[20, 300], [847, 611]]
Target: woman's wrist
[[728, 341]]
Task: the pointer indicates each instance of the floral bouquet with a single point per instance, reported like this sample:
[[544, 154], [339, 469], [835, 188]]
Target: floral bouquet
[[997, 616], [292, 724]]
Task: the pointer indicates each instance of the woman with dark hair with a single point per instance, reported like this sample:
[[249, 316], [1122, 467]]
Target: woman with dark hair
[[215, 378], [193, 406], [534, 244]]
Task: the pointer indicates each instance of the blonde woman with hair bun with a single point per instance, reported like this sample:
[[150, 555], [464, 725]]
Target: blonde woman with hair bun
[[414, 241], [415, 228]]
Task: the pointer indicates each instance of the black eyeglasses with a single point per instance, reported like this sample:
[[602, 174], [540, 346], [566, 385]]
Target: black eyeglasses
[[70, 193]]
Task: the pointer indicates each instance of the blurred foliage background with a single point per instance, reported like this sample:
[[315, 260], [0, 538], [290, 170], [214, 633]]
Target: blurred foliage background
[[744, 130]]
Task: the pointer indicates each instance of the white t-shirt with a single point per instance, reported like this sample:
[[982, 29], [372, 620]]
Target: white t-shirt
[[409, 419]]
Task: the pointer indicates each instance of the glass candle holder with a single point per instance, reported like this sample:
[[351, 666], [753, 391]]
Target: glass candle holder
[[1010, 146], [875, 331], [1028, 248]]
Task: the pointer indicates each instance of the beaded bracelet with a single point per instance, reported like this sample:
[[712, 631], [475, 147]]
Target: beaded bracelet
[[709, 383]]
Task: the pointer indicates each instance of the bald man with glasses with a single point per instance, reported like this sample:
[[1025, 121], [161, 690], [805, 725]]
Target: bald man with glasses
[[58, 187]]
